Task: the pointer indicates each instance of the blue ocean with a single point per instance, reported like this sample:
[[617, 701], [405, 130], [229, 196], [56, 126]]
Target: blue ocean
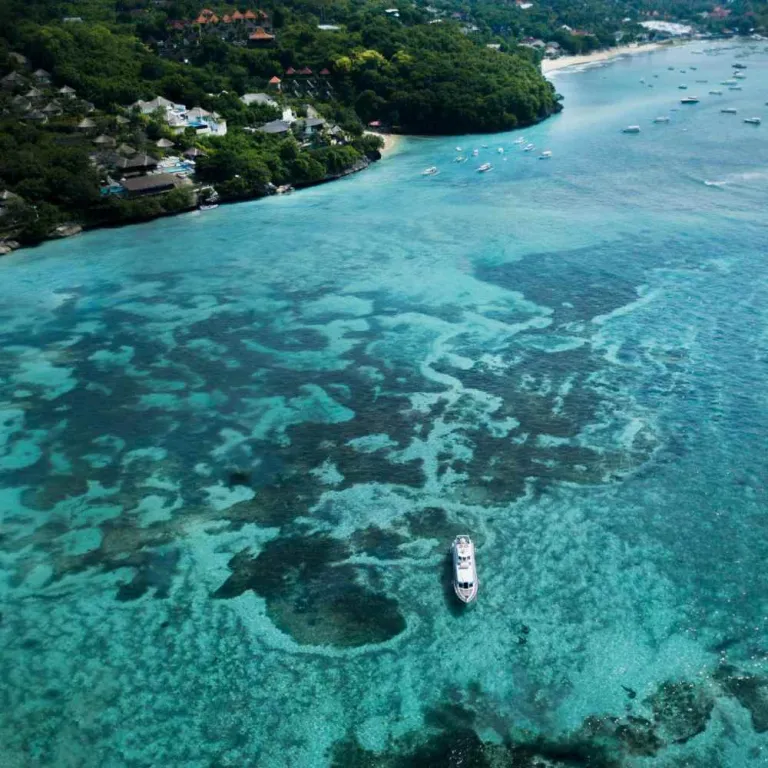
[[236, 445]]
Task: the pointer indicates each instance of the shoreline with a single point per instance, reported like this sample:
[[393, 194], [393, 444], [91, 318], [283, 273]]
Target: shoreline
[[391, 141], [549, 66]]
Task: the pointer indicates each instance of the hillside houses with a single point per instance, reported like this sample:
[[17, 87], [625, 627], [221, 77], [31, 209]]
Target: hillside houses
[[252, 28], [179, 118]]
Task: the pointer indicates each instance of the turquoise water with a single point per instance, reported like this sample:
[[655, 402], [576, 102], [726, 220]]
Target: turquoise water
[[235, 446]]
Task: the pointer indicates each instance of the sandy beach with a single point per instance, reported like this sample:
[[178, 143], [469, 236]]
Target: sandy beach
[[552, 65], [391, 140]]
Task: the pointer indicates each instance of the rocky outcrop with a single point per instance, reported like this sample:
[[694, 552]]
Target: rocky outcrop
[[67, 230]]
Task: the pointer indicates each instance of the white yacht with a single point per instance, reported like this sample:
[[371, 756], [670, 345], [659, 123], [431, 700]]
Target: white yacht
[[631, 129], [500, 150], [521, 140], [661, 120], [752, 120], [458, 149], [431, 171], [529, 147], [485, 167], [546, 154], [689, 100], [739, 76], [464, 569], [475, 152], [460, 159]]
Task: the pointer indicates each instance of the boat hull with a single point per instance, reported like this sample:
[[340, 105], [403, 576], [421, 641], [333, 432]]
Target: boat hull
[[465, 583]]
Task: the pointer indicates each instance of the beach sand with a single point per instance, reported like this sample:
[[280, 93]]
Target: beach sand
[[391, 141], [552, 65]]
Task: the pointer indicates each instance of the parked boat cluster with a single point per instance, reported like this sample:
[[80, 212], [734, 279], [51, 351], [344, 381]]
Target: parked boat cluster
[[519, 144], [733, 84]]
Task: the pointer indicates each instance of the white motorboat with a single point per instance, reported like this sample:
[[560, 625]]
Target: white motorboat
[[431, 171], [753, 120], [500, 150], [464, 569], [728, 111], [475, 152], [631, 129], [460, 159], [207, 206], [661, 120], [529, 147], [739, 76], [485, 167], [689, 100], [521, 140], [458, 149], [546, 154]]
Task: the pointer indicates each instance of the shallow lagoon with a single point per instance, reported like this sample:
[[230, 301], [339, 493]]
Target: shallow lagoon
[[235, 446]]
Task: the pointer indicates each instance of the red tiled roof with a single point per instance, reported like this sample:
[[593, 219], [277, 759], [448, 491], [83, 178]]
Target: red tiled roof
[[249, 14], [275, 80], [237, 16], [226, 19], [306, 71], [201, 19], [214, 19], [290, 71], [260, 34], [324, 72]]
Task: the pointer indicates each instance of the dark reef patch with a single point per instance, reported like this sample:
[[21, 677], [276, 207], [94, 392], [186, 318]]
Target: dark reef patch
[[751, 691], [590, 282], [313, 595]]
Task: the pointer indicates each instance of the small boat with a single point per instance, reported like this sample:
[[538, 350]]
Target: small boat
[[485, 167], [693, 68], [728, 111], [484, 146], [709, 183], [661, 120], [464, 569], [460, 159], [739, 76], [689, 100], [521, 140], [284, 189], [671, 69], [702, 81], [631, 129], [683, 87], [728, 82], [715, 93], [734, 87], [739, 66], [529, 147], [682, 71], [642, 79], [431, 171], [458, 149], [546, 154], [500, 150], [207, 206], [752, 120]]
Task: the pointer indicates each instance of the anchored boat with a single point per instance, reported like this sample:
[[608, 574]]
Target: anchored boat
[[464, 569]]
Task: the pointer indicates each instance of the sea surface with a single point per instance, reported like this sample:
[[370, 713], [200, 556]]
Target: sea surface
[[235, 447]]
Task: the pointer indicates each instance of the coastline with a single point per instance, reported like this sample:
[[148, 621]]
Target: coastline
[[554, 65], [391, 141]]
